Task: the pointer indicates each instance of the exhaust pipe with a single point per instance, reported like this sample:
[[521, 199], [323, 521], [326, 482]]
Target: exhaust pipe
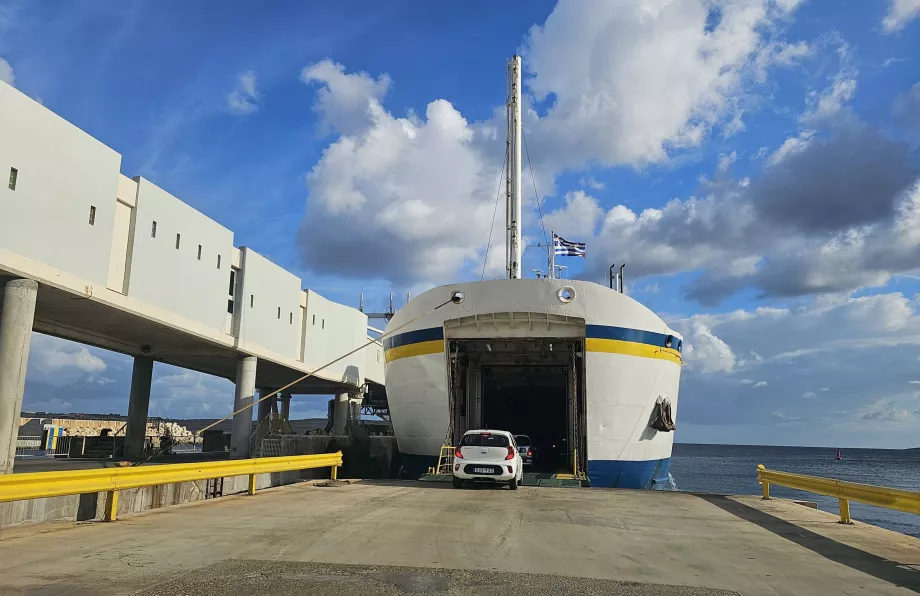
[[620, 276], [612, 275]]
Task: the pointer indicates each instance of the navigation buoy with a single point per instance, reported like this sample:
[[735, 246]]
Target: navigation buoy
[[838, 454]]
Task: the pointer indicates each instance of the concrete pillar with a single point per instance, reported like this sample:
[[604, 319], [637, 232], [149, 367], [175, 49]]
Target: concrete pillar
[[138, 403], [265, 406], [17, 312], [285, 400], [341, 414], [242, 398]]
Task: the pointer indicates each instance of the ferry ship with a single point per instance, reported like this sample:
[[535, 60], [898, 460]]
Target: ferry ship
[[588, 373]]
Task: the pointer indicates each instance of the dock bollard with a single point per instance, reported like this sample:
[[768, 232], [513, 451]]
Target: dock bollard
[[844, 511], [764, 484]]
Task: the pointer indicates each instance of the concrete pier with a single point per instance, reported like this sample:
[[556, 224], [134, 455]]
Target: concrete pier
[[403, 537], [242, 397], [17, 314], [138, 405]]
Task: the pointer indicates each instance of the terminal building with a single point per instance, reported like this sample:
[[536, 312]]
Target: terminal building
[[92, 255]]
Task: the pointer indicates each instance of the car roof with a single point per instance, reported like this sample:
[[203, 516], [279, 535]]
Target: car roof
[[479, 431]]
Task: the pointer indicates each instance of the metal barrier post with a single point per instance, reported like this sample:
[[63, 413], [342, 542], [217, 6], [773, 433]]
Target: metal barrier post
[[252, 484], [844, 511], [335, 472], [111, 505], [764, 484]]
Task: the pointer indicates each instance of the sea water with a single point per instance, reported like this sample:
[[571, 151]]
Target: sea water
[[732, 469]]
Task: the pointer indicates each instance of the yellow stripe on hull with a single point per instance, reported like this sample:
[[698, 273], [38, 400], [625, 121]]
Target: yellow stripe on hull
[[615, 346], [417, 349]]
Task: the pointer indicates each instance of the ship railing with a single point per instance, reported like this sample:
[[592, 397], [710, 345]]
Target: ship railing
[[879, 496], [37, 485]]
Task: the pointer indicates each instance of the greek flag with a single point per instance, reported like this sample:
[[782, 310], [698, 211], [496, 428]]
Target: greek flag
[[565, 248]]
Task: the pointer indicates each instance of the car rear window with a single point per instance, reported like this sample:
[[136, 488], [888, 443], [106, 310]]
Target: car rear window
[[481, 440], [522, 440]]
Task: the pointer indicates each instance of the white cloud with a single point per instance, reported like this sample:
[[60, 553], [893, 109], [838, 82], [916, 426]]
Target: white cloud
[[900, 12], [632, 81], [726, 161], [887, 411], [828, 103], [58, 362], [914, 382], [791, 146], [189, 393], [350, 103], [759, 384], [402, 181], [6, 73], [705, 352], [809, 395], [832, 213], [614, 83], [781, 418], [51, 355], [578, 218], [746, 382], [788, 54], [244, 99], [592, 183], [825, 389]]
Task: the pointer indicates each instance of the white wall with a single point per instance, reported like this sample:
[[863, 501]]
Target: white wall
[[62, 173], [269, 305], [333, 330], [45, 234], [176, 279]]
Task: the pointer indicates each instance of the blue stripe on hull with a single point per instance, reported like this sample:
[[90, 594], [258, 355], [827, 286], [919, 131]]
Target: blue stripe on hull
[[630, 474]]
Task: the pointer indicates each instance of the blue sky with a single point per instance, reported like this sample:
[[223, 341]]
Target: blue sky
[[754, 162]]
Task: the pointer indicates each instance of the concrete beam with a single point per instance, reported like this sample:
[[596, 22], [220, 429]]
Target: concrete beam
[[17, 313], [242, 405], [138, 405]]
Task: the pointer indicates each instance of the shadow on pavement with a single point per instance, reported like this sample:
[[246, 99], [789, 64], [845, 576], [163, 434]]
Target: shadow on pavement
[[884, 569]]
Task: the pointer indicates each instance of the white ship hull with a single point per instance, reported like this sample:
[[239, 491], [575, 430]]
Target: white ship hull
[[629, 360]]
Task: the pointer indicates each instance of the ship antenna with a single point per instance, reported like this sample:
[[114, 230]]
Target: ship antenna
[[513, 193]]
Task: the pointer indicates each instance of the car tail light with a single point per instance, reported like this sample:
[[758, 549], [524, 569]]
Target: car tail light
[[457, 453], [530, 453], [510, 453]]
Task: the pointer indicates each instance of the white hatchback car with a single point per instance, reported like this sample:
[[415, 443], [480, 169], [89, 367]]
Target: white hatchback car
[[488, 456]]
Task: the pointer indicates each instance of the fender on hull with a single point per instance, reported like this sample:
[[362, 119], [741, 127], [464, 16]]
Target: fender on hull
[[652, 474]]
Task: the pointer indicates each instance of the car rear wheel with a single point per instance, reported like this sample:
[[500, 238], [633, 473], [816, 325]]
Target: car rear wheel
[[513, 484], [457, 482]]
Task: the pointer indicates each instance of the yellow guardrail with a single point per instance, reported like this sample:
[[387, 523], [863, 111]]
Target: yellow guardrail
[[880, 496], [19, 487]]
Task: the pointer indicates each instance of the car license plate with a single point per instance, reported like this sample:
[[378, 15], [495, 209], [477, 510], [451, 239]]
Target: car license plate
[[482, 470]]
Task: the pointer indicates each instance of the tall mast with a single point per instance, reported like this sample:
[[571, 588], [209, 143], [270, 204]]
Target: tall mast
[[513, 190]]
